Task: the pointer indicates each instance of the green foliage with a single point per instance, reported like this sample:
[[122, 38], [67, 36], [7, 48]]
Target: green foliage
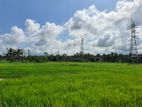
[[19, 55], [70, 85], [38, 59], [14, 55]]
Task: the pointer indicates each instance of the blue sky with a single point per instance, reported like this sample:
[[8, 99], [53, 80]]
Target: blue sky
[[53, 25], [15, 12]]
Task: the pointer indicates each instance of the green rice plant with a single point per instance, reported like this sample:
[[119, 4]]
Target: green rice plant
[[70, 85]]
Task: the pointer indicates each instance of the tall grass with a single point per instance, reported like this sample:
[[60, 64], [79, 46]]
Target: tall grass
[[70, 85]]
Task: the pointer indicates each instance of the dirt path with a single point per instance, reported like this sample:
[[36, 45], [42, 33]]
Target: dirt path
[[1, 79]]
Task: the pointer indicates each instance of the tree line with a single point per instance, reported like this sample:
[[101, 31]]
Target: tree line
[[17, 55]]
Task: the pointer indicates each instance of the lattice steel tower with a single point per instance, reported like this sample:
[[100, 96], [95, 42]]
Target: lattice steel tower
[[133, 44], [82, 46], [28, 52]]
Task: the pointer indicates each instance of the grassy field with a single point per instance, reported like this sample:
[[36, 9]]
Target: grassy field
[[70, 85]]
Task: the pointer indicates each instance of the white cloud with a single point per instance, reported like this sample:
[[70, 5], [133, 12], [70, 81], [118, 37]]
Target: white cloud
[[31, 26], [107, 30], [103, 31]]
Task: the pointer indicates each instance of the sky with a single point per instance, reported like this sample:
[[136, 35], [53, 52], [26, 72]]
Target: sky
[[58, 25], [15, 12]]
